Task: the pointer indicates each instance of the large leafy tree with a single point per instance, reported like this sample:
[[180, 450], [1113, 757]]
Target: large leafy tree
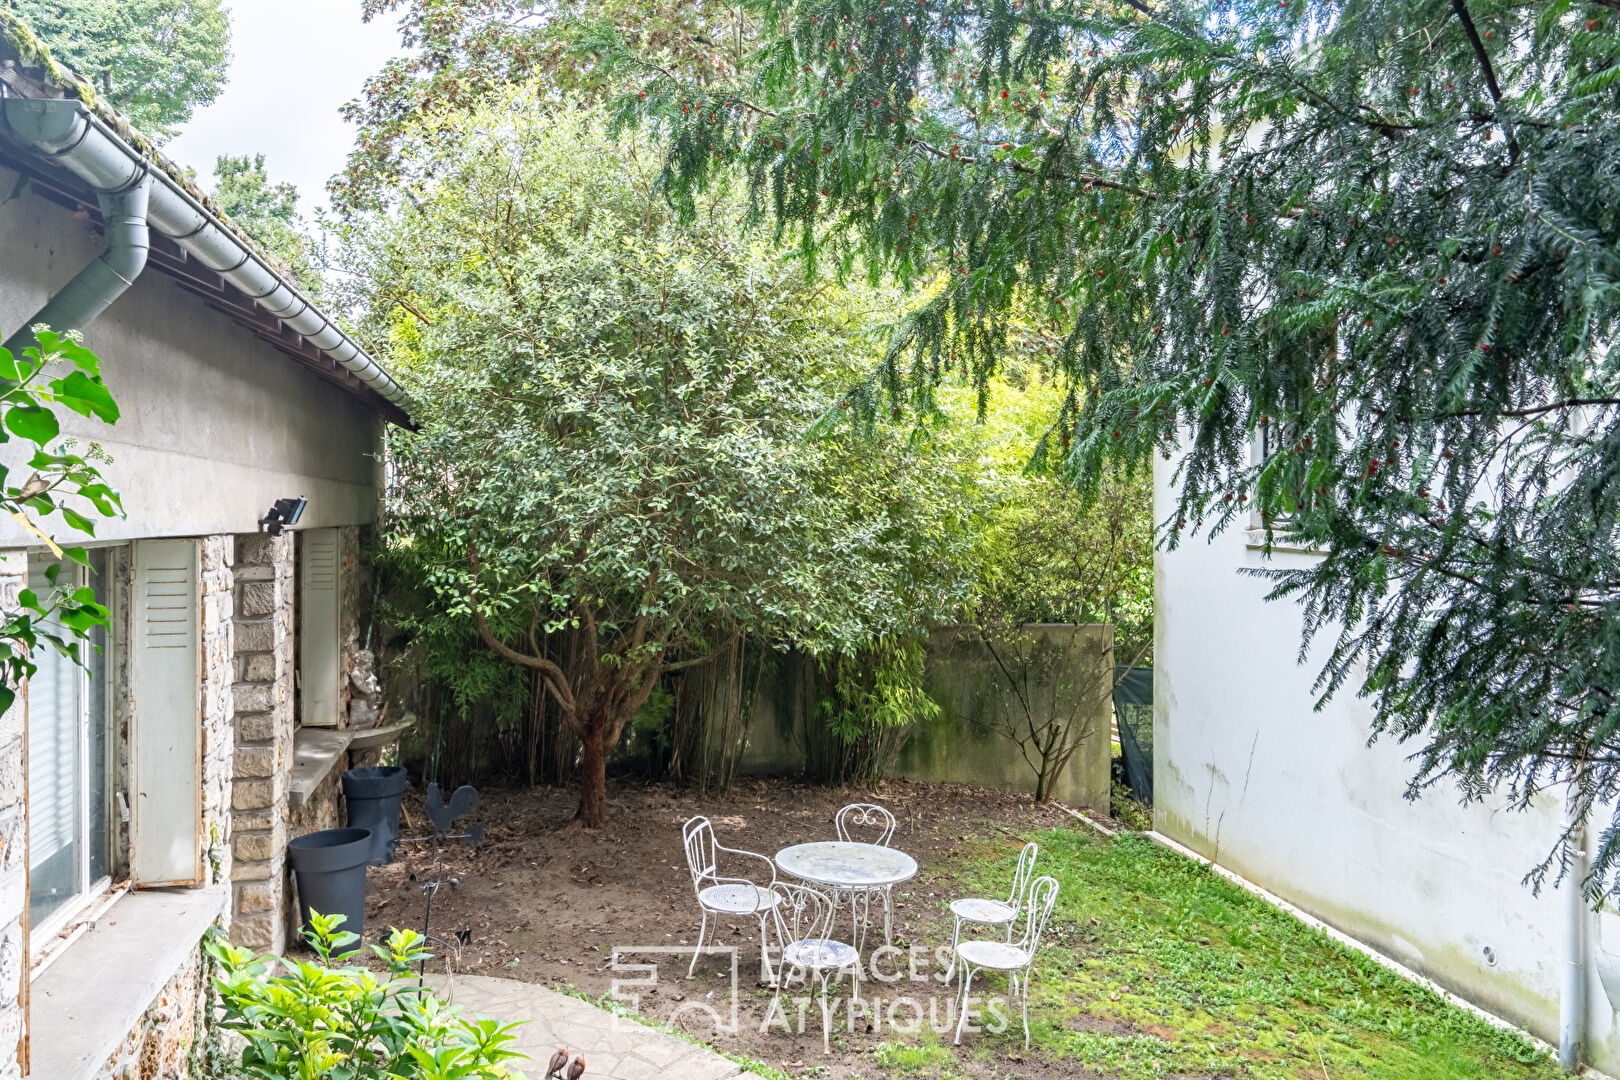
[[1383, 234], [156, 61], [612, 408], [460, 53]]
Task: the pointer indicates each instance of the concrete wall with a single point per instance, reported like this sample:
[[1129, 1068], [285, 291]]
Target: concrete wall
[[962, 744], [216, 424], [1247, 773]]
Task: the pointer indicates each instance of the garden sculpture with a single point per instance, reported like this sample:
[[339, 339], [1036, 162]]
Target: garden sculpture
[[577, 1069], [558, 1060]]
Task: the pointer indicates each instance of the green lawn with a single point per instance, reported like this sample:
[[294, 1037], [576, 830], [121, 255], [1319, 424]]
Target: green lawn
[[1163, 968]]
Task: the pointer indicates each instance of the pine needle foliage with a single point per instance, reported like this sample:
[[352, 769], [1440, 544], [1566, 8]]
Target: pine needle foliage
[[1379, 238]]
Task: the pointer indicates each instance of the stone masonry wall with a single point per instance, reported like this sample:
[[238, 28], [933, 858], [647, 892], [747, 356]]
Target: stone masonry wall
[[217, 644], [13, 852], [262, 695], [159, 1045]]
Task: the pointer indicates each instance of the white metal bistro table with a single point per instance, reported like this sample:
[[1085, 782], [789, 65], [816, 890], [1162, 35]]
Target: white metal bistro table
[[846, 867]]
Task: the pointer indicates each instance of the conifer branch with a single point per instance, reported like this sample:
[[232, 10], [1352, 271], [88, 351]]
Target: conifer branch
[[1484, 58]]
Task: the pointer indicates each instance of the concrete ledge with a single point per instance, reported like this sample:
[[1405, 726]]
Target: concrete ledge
[[315, 752], [85, 1003]]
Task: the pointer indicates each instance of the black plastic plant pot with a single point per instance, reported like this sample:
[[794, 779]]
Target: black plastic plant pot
[[330, 868], [373, 796]]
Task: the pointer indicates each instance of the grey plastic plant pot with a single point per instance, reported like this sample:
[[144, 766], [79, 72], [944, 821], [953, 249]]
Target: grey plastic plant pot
[[373, 796], [330, 868]]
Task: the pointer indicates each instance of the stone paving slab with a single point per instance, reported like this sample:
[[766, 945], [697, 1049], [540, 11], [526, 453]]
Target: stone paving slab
[[615, 1048]]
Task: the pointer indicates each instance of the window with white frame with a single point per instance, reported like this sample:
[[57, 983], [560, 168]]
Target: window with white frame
[[69, 755]]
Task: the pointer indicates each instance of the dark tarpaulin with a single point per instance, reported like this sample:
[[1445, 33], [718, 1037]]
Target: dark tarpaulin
[[1133, 710]]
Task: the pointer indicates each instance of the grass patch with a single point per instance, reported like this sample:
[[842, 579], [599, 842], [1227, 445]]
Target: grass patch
[[1153, 965], [931, 1058]]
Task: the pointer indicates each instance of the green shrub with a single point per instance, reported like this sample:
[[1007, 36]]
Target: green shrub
[[331, 1019]]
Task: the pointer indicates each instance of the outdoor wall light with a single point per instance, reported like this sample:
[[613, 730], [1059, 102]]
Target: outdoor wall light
[[285, 512]]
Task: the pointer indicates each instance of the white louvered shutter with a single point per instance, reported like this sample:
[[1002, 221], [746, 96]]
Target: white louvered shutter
[[320, 680], [166, 739]]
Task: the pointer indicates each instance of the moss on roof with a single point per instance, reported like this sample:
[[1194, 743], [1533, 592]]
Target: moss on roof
[[19, 43]]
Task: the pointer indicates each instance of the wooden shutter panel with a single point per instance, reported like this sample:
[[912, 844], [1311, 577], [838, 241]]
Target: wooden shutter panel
[[166, 730], [320, 679]]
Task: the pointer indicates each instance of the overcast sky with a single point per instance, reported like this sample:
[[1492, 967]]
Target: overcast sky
[[293, 64]]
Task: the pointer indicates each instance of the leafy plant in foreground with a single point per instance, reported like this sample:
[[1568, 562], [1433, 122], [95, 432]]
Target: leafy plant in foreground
[[30, 395], [330, 1019]]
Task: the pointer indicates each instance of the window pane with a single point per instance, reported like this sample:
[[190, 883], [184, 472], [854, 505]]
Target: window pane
[[55, 763]]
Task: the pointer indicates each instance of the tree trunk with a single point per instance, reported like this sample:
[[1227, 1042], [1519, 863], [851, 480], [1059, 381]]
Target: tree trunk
[[593, 777]]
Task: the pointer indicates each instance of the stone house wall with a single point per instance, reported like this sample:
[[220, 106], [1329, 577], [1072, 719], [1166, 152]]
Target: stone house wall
[[159, 1046], [216, 640], [262, 695], [246, 641], [265, 699]]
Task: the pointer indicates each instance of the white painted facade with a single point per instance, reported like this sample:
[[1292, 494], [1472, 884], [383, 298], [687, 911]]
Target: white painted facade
[[1250, 775]]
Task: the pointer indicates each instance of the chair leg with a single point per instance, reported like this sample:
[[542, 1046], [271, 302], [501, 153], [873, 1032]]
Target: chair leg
[[826, 1018], [956, 937], [1024, 997], [961, 1014], [765, 952], [1012, 984], [704, 929]]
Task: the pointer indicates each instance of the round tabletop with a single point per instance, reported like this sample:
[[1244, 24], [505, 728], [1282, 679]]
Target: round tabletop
[[838, 862]]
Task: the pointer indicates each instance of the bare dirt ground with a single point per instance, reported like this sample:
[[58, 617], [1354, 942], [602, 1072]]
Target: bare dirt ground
[[549, 906]]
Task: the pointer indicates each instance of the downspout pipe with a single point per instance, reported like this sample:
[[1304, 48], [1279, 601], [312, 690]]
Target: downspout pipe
[[67, 132], [94, 288], [1572, 994]]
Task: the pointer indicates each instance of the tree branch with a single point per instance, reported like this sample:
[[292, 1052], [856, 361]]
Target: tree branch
[[1467, 20], [553, 674], [681, 665]]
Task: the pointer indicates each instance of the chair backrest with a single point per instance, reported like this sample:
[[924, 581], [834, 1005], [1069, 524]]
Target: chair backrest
[[1037, 909], [807, 913], [698, 838], [865, 815], [1021, 876]]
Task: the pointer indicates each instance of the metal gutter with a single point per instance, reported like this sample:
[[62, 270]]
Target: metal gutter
[[67, 133], [94, 288]]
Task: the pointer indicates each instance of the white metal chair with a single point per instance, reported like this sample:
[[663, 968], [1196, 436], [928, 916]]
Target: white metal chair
[[1016, 959], [733, 896], [869, 816], [994, 912], [805, 920], [865, 815]]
